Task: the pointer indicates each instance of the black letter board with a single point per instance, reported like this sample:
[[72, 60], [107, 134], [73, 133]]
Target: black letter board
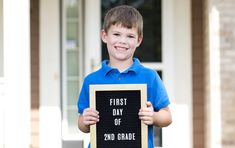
[[119, 125]]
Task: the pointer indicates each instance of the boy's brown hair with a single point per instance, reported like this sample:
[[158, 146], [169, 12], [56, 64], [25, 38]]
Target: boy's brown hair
[[126, 16]]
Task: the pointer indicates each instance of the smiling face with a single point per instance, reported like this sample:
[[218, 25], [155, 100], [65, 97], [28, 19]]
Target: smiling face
[[121, 42]]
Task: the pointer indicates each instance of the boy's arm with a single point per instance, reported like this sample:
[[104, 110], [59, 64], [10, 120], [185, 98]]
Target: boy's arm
[[89, 117], [160, 118], [84, 128]]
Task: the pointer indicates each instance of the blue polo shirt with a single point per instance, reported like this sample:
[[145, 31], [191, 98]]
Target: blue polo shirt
[[136, 74]]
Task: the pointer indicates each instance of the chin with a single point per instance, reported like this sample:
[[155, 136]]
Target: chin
[[123, 59]]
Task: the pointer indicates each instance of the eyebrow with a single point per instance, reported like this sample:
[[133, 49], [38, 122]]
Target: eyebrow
[[121, 32]]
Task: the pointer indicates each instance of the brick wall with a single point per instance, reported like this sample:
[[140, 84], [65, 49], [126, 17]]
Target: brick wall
[[227, 54], [226, 43], [34, 27], [198, 75]]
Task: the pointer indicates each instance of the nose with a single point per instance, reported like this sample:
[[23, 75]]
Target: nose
[[122, 40]]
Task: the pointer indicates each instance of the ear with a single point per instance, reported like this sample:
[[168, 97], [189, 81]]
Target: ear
[[103, 35], [140, 38]]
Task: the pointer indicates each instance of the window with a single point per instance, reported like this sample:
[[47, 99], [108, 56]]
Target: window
[[71, 63], [151, 11]]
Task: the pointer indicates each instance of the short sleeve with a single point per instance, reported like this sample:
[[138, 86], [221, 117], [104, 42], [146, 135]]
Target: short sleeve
[[160, 95], [83, 99]]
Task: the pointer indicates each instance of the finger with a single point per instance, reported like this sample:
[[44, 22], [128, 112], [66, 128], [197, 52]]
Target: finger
[[149, 107], [148, 114], [91, 118], [148, 122], [146, 110], [91, 110], [89, 122], [92, 114], [149, 104], [145, 118]]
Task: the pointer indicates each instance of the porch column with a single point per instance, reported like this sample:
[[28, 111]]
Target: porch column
[[49, 110], [16, 53]]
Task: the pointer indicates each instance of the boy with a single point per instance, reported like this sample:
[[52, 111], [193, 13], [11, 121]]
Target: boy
[[123, 33]]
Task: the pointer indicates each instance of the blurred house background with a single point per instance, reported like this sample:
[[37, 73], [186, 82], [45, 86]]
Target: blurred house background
[[48, 46]]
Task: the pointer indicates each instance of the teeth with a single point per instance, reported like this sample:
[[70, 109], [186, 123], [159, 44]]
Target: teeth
[[121, 48]]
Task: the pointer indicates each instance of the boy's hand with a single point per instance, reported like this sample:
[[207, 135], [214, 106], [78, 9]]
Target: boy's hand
[[90, 116], [146, 114]]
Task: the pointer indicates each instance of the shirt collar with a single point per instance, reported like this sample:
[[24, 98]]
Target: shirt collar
[[134, 67], [105, 67]]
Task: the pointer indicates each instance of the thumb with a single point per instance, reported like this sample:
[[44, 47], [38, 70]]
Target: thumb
[[149, 104]]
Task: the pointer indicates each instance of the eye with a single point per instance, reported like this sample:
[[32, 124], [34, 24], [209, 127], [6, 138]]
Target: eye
[[131, 36], [116, 34]]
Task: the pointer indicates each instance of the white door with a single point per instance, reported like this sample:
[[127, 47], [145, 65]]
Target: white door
[[80, 56], [72, 70]]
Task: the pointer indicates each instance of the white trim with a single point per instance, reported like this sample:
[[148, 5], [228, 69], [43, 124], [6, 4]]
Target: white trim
[[214, 100], [50, 109], [178, 71], [168, 45], [154, 65], [64, 68], [16, 44], [92, 43]]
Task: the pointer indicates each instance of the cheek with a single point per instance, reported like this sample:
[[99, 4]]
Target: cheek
[[133, 44], [112, 41]]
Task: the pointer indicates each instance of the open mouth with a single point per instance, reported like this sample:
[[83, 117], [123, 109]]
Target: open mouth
[[121, 48]]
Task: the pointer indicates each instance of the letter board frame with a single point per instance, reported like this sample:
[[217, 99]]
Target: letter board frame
[[119, 105]]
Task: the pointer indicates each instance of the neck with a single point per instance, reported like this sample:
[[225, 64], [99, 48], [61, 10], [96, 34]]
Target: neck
[[121, 65]]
